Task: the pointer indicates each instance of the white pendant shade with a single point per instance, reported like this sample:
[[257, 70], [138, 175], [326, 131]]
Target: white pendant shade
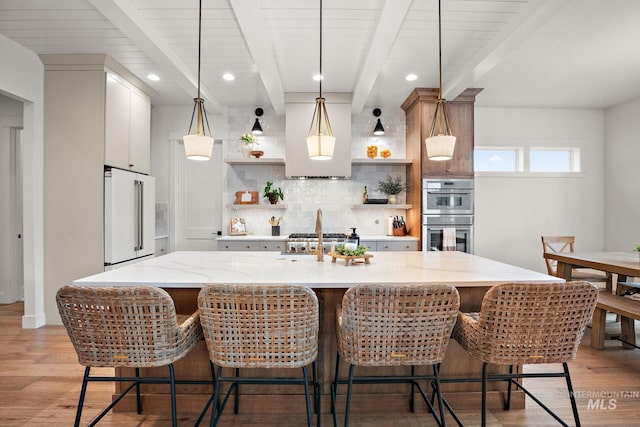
[[198, 147], [440, 147], [320, 147]]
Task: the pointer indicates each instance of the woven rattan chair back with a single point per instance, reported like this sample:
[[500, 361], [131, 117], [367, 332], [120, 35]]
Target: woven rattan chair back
[[250, 326], [525, 323], [123, 326], [389, 325]]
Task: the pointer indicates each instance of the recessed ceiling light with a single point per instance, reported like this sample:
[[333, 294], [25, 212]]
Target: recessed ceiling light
[[317, 77], [228, 77], [153, 77], [411, 77]]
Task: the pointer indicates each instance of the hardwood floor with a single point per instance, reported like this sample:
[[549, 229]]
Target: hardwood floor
[[41, 379]]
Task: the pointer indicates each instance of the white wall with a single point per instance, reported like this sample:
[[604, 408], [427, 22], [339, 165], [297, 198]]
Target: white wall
[[622, 177], [22, 78], [512, 212]]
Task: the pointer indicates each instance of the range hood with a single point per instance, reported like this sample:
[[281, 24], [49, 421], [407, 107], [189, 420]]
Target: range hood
[[299, 111]]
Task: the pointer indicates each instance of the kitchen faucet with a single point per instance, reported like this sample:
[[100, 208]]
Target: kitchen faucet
[[319, 248]]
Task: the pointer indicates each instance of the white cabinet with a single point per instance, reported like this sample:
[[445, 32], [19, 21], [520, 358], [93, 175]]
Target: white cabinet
[[390, 245], [251, 245], [127, 126]]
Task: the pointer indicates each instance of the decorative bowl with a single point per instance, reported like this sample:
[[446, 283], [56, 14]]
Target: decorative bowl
[[257, 154]]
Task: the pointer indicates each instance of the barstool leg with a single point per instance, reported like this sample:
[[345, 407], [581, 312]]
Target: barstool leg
[[307, 396], [484, 394], [334, 391], [347, 409], [436, 374], [138, 399], [83, 392], [507, 405], [216, 410], [412, 403], [172, 380], [236, 400], [576, 417]]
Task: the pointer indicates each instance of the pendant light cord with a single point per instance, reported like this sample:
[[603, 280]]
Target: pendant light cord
[[321, 76], [199, 42], [440, 49]]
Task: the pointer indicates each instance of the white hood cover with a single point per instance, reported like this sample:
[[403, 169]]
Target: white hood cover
[[299, 112]]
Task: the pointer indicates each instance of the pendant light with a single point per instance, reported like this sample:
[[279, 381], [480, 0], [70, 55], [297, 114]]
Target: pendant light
[[257, 127], [320, 140], [441, 143], [379, 129], [199, 146]]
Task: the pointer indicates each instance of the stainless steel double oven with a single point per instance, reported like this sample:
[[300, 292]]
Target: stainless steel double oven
[[447, 204]]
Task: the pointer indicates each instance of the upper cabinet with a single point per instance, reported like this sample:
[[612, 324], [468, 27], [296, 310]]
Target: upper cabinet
[[127, 126], [419, 108]]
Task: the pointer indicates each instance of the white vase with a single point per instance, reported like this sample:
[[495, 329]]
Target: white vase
[[393, 199], [245, 150]]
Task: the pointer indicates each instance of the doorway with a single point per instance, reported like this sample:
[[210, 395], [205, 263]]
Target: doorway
[[11, 258]]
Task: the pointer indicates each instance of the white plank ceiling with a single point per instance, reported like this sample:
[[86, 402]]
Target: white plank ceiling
[[532, 53]]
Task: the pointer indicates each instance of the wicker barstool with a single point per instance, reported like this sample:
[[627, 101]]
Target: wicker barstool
[[526, 323], [395, 325], [259, 326], [134, 327]]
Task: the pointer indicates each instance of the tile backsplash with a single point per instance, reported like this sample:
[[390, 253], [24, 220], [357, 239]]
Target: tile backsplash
[[336, 198]]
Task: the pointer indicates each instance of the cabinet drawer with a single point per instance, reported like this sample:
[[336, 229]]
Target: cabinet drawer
[[247, 245], [397, 246], [370, 244], [271, 246]]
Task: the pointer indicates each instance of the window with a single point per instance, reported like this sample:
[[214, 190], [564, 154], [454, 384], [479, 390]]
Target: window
[[531, 160], [497, 159], [554, 160]]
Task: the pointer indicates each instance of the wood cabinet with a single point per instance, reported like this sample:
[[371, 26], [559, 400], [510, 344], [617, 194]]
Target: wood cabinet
[[127, 126], [419, 108]]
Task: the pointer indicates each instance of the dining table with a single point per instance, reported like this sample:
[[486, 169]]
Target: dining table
[[623, 264]]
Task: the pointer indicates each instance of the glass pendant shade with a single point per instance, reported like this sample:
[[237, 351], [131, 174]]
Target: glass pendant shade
[[440, 147], [320, 140], [198, 146], [440, 144]]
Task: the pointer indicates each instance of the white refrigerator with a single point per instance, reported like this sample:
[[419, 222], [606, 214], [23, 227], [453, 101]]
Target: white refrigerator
[[129, 217]]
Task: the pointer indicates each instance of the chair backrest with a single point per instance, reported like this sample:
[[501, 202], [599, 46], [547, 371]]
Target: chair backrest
[[260, 326], [400, 324], [131, 326], [556, 244], [524, 323]]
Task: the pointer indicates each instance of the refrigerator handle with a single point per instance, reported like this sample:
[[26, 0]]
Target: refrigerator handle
[[138, 193], [141, 217]]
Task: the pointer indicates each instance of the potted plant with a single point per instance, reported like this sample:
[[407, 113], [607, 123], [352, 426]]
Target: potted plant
[[249, 142], [272, 193], [392, 187], [638, 250]]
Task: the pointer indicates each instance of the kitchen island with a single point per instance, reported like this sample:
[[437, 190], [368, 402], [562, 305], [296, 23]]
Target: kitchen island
[[182, 274]]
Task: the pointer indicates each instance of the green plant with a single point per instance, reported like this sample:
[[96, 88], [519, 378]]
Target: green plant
[[273, 194], [637, 248], [391, 185], [249, 139]]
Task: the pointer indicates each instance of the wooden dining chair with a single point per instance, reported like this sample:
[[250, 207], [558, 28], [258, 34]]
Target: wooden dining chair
[[560, 244], [126, 327]]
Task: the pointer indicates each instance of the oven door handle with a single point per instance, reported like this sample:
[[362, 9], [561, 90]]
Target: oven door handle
[[444, 192]]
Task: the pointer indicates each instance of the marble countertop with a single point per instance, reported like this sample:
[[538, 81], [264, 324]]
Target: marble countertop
[[193, 269], [282, 238]]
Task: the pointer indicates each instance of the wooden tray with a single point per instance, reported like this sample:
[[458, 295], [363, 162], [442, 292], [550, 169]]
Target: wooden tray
[[349, 258], [239, 201]]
